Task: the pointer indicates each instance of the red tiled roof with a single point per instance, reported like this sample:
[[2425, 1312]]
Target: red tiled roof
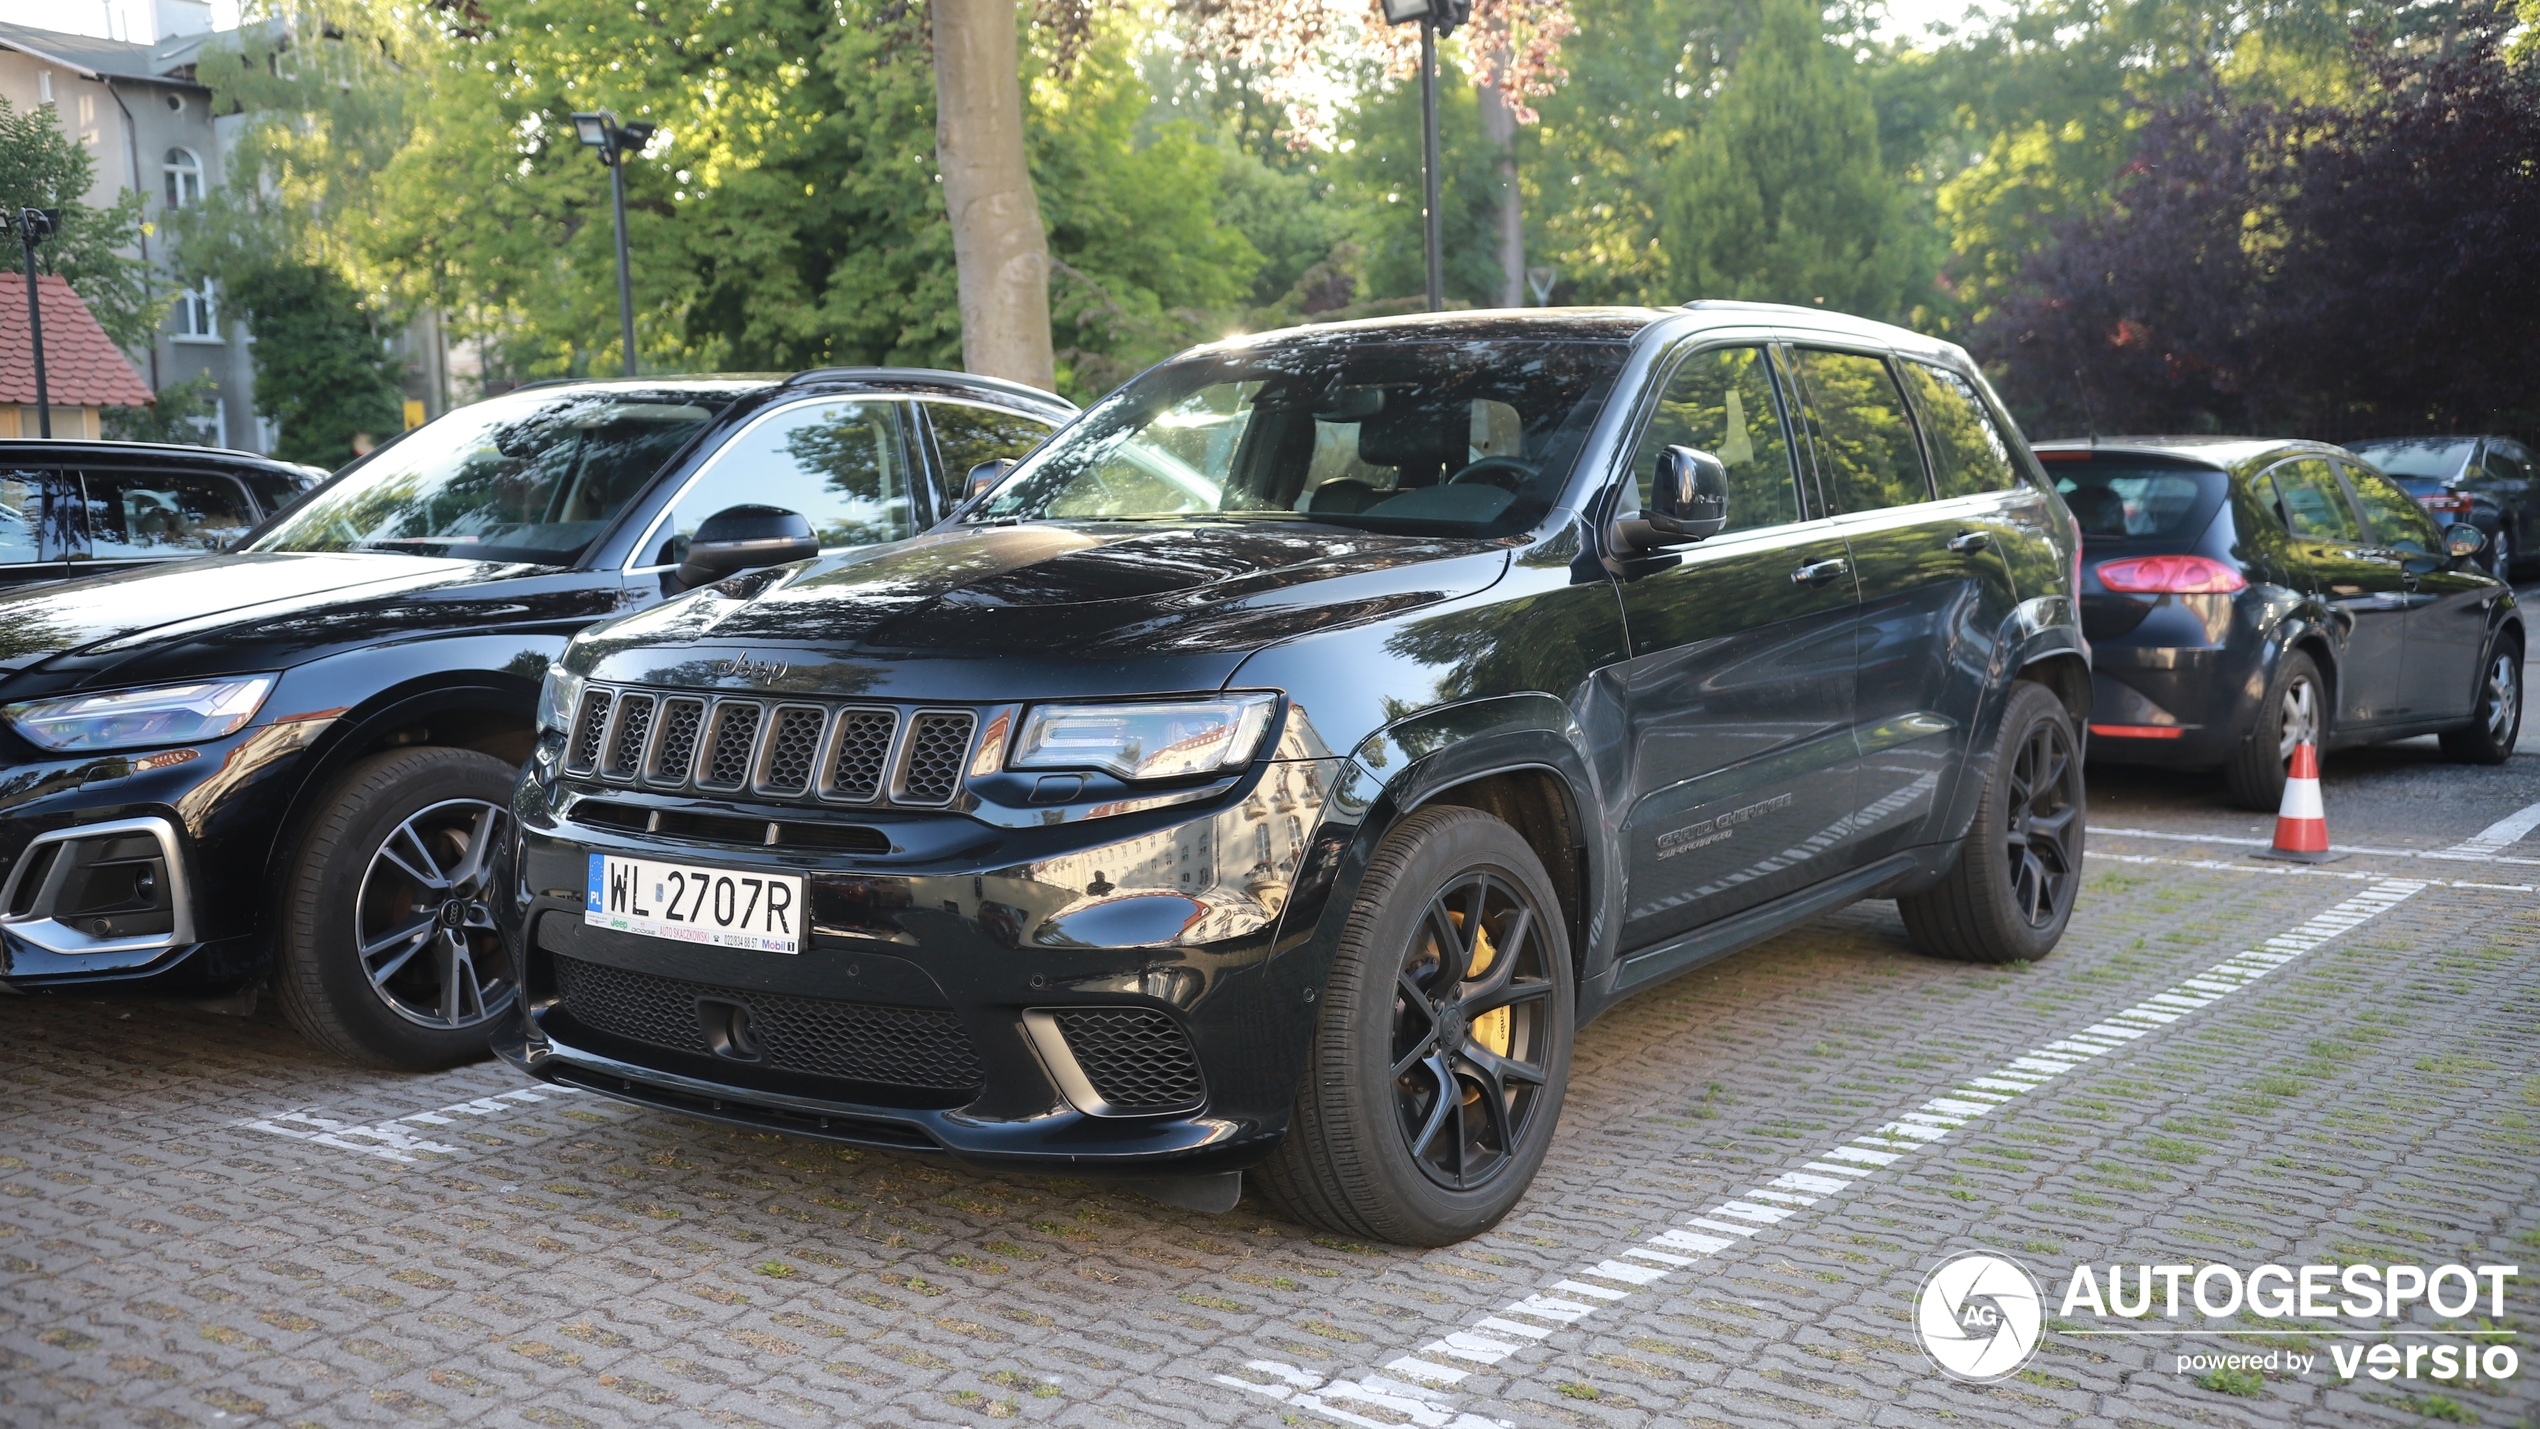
[[82, 366]]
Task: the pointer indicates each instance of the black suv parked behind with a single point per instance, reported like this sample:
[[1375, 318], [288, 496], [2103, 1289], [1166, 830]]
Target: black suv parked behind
[[295, 758], [1278, 766], [87, 508]]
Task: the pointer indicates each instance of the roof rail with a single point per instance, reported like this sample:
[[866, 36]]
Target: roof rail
[[925, 374]]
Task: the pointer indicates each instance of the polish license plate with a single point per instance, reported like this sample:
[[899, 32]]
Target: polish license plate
[[725, 908]]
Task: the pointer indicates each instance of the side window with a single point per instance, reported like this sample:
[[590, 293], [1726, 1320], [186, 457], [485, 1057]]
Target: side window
[[1867, 454], [842, 465], [2396, 519], [2510, 465], [2310, 501], [22, 516], [966, 436], [1968, 455], [1722, 403], [136, 514]]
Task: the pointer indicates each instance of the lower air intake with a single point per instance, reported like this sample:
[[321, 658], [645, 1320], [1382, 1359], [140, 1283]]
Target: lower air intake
[[1137, 1058], [920, 1047]]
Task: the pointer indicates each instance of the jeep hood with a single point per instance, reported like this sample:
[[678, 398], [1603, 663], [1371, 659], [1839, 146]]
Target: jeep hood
[[1045, 609]]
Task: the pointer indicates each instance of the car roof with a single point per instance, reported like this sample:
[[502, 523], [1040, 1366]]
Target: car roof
[[148, 453], [912, 381], [2227, 452]]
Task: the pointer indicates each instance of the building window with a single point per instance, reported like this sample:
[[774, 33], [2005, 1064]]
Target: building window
[[198, 314], [185, 178]]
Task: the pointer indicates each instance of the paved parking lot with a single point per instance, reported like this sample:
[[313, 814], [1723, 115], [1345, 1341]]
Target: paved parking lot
[[203, 1222]]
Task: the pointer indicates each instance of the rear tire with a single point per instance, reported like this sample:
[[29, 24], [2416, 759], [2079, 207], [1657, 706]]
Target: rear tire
[[1394, 1136], [384, 934], [2295, 707], [2496, 725], [2019, 869]]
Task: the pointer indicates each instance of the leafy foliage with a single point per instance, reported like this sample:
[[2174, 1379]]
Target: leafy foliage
[[320, 369], [41, 167]]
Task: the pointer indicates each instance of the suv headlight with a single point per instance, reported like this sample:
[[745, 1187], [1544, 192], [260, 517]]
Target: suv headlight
[[558, 698], [1162, 740], [139, 719]]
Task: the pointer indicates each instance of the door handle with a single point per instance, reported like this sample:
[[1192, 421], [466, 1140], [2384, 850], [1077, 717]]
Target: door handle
[[1821, 572], [1967, 543]]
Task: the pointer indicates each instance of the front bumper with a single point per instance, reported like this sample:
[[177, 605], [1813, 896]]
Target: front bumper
[[1110, 994], [196, 824]]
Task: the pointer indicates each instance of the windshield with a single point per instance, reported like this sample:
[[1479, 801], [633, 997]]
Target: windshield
[[531, 477], [2439, 457], [1466, 437], [2122, 500]]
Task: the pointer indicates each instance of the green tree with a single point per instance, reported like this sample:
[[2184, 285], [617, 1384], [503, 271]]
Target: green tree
[[41, 167], [321, 372], [1781, 195], [1380, 172]]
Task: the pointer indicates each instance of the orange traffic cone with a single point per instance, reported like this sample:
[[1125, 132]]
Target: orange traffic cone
[[2301, 822]]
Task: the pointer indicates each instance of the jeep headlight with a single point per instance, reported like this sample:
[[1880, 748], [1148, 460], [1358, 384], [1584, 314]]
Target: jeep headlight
[[558, 698], [1165, 739], [140, 719]]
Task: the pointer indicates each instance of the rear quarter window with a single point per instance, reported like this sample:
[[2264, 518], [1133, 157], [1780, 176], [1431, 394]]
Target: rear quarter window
[[2116, 499]]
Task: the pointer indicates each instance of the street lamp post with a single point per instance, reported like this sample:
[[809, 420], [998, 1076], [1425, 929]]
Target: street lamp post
[[33, 226], [600, 130], [1437, 18]]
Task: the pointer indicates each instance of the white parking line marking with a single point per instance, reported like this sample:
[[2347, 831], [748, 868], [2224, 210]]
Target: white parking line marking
[[2476, 849], [2290, 870], [1865, 1154], [391, 1140], [2501, 834]]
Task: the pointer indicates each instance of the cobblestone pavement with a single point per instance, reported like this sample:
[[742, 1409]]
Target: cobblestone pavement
[[204, 1222]]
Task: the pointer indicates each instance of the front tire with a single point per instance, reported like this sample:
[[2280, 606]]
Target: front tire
[[385, 934], [2496, 725], [2294, 710], [2011, 892], [1442, 1046]]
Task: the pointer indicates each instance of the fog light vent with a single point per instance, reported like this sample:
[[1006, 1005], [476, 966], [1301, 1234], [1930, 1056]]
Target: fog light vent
[[1136, 1059], [100, 888]]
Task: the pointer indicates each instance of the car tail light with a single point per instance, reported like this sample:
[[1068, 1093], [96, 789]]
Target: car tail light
[[2171, 575], [2450, 503]]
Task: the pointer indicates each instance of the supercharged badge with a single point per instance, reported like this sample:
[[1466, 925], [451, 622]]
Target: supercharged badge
[[1711, 831]]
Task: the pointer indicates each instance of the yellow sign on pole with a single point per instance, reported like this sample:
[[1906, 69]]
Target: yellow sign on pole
[[414, 414]]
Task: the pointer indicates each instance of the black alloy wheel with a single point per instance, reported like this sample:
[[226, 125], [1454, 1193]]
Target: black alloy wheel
[[1441, 1047], [2018, 872], [424, 919], [1469, 1031], [2045, 808], [384, 927]]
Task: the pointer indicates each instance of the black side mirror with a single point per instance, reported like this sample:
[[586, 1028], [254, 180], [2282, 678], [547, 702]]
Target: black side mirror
[[985, 475], [1688, 502], [2461, 540], [742, 538]]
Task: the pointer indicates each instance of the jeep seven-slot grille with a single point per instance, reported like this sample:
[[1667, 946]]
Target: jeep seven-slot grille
[[796, 751], [1136, 1057], [921, 1047]]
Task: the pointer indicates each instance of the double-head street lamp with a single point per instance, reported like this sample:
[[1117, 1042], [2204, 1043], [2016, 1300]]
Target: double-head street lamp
[[33, 226], [1436, 17], [614, 141]]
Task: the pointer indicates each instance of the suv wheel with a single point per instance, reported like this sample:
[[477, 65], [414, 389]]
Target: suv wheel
[[386, 933], [2295, 709], [1442, 1046], [2012, 889], [2497, 723]]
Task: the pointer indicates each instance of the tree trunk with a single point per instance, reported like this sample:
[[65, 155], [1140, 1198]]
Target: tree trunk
[[1000, 251], [1499, 125]]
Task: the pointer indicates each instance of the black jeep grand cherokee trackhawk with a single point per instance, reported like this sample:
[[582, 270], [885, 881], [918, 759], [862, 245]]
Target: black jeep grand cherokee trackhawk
[[1277, 767]]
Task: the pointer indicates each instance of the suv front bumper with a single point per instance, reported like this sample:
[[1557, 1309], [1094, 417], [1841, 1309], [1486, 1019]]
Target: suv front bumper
[[1109, 994]]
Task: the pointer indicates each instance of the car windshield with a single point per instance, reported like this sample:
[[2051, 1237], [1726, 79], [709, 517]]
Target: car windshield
[[2438, 457], [531, 477], [2121, 500], [1464, 437]]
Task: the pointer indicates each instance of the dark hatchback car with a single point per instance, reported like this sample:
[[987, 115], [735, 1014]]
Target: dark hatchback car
[[2488, 482], [87, 508], [289, 764], [2242, 596], [1277, 767]]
